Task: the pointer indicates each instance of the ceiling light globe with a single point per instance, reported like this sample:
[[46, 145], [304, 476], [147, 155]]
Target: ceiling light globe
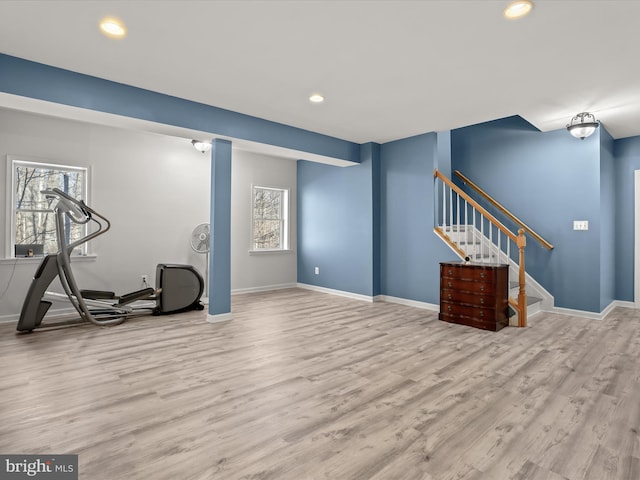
[[316, 98], [582, 131], [201, 146]]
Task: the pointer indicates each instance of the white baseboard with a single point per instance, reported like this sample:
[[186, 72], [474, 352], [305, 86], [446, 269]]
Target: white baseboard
[[623, 304], [377, 298], [594, 315], [9, 318], [436, 308], [410, 303], [577, 313], [266, 288], [221, 317], [340, 293]]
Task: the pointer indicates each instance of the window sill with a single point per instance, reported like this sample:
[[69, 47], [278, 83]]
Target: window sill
[[269, 252], [29, 260]]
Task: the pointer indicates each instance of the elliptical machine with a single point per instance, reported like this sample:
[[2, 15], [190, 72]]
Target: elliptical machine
[[178, 287]]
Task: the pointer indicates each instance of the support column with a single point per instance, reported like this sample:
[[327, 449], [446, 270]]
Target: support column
[[443, 153], [220, 213], [370, 154]]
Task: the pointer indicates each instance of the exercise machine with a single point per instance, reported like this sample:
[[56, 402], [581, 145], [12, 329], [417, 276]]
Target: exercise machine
[[178, 287]]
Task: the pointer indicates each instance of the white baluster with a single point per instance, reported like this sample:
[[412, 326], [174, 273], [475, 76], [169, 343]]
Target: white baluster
[[466, 227], [474, 232], [482, 237], [492, 245], [444, 207], [451, 208], [458, 218]]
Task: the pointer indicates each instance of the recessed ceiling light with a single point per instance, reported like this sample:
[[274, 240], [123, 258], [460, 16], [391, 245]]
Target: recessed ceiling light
[[316, 98], [112, 27], [518, 9]]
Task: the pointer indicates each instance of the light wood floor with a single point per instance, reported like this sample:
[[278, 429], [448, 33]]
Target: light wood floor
[[304, 385]]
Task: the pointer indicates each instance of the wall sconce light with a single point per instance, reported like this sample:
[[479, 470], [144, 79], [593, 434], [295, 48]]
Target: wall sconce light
[[583, 125], [201, 146]]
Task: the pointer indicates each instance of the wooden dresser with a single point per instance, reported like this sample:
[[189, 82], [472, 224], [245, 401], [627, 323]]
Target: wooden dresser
[[474, 294]]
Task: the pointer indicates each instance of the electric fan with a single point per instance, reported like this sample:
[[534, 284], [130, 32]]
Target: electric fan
[[200, 238]]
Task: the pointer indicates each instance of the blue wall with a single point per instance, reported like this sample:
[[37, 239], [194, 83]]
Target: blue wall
[[336, 224], [607, 220], [410, 251], [627, 160], [548, 180], [370, 227]]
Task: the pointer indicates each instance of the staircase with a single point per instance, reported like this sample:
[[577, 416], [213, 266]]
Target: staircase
[[480, 249], [476, 235]]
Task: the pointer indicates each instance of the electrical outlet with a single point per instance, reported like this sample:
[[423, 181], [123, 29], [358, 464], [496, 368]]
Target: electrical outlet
[[316, 270]]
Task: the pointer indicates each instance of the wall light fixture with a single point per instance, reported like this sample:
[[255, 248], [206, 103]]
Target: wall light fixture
[[201, 146]]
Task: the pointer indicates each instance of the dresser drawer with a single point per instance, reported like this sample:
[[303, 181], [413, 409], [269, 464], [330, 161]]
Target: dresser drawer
[[464, 272], [467, 310], [469, 298], [466, 285]]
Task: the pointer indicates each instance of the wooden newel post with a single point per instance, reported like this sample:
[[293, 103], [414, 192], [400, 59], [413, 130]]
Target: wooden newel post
[[522, 295]]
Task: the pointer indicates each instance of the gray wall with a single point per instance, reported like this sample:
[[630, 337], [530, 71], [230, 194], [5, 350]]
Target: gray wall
[[154, 189], [260, 270]]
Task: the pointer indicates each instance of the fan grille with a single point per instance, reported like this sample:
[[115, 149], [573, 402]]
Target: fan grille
[[200, 238]]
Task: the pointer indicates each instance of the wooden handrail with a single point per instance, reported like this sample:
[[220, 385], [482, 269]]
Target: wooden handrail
[[511, 216], [477, 206]]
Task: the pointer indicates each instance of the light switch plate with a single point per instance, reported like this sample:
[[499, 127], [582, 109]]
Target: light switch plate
[[581, 224]]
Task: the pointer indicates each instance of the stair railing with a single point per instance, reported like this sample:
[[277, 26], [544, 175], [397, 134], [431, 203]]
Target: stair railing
[[458, 214], [504, 211]]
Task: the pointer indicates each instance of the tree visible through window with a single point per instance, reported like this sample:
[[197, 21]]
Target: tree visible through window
[[33, 217], [270, 218]]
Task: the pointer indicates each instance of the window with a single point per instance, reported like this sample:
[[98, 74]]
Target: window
[[270, 225], [33, 219]]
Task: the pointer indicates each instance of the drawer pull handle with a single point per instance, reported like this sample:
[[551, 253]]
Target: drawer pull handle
[[449, 296], [482, 288], [450, 284], [481, 313], [482, 300], [482, 274], [450, 272], [449, 309]]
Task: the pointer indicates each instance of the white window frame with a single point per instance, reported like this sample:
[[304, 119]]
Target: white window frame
[[284, 225], [12, 162]]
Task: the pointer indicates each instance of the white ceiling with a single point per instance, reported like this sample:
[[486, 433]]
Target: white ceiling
[[388, 69]]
